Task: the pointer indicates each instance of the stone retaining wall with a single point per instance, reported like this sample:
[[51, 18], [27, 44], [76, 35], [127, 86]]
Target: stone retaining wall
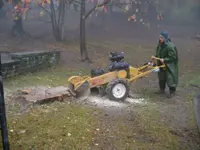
[[25, 62]]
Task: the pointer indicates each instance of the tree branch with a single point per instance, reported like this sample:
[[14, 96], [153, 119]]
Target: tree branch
[[59, 12], [119, 6], [77, 2], [45, 10], [99, 5], [53, 11]]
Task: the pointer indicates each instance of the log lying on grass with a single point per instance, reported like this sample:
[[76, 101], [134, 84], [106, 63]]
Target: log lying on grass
[[42, 94]]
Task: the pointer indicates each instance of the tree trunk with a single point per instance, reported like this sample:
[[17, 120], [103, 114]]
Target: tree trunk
[[57, 20], [53, 21], [82, 29], [54, 28], [83, 17], [62, 22], [84, 52], [1, 4], [58, 24]]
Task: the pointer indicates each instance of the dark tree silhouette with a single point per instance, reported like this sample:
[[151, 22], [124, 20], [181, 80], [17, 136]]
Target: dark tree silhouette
[[83, 17], [1, 4], [57, 18]]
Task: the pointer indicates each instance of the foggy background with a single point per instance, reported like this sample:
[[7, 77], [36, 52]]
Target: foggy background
[[177, 16], [115, 30]]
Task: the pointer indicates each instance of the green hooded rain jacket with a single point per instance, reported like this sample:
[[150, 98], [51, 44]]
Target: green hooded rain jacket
[[170, 55]]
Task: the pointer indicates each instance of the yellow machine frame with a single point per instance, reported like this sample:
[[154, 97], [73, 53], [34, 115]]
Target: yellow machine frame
[[135, 73]]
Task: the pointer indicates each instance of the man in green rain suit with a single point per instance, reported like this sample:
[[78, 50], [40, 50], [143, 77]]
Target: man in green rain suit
[[169, 56]]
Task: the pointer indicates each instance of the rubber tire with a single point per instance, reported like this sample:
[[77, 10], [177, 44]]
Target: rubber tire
[[111, 85]]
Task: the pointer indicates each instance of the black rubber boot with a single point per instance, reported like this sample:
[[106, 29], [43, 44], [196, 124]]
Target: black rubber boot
[[172, 91], [162, 85]]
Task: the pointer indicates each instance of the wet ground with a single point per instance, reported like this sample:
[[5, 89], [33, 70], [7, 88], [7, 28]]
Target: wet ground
[[141, 118]]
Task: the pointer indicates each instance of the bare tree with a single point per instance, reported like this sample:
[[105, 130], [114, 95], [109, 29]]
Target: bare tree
[[83, 17], [1, 4], [57, 18]]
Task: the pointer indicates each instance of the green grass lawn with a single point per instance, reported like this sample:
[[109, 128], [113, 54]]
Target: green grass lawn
[[64, 125], [52, 77], [53, 126], [71, 126], [146, 131]]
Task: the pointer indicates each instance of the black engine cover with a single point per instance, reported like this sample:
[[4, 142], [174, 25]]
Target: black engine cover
[[118, 66], [116, 56], [97, 72]]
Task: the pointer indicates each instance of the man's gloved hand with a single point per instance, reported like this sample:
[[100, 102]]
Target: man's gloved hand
[[162, 60], [153, 57]]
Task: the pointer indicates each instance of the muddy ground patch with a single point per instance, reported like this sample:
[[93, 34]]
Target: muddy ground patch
[[145, 121], [156, 124]]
